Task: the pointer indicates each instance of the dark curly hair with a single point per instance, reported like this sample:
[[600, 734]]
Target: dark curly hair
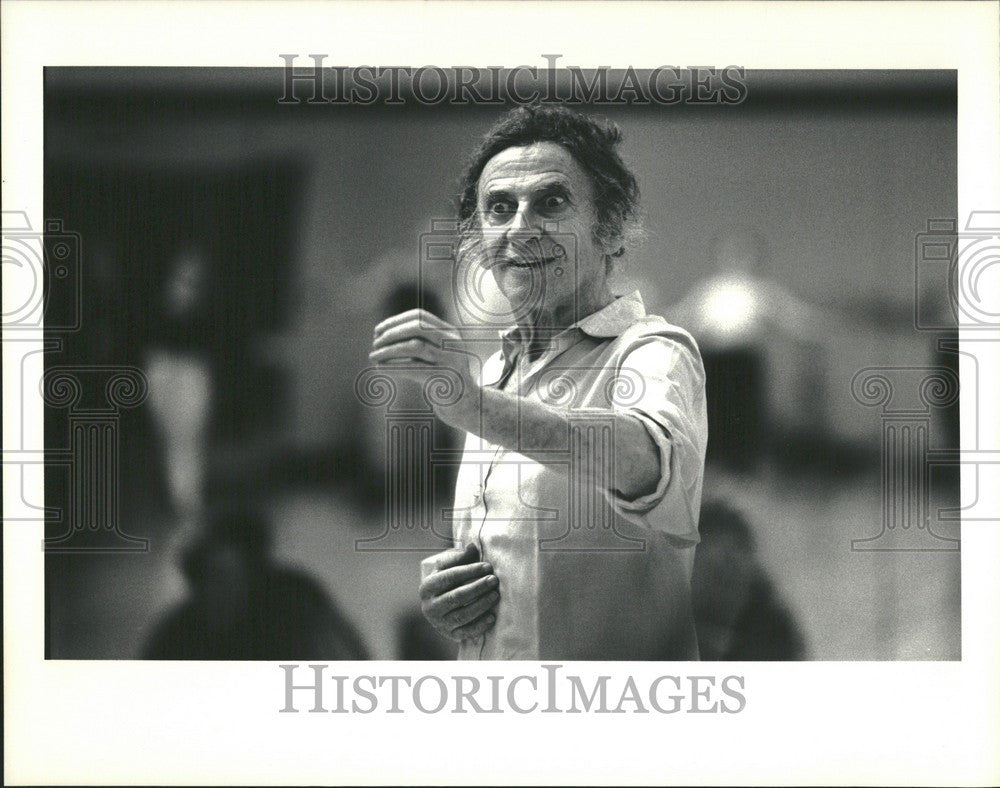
[[592, 143]]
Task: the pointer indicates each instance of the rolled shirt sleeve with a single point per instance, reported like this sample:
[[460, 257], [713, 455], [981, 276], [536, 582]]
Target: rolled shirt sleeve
[[661, 382]]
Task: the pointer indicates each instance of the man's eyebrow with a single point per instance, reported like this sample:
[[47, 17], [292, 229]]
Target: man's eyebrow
[[493, 192], [556, 187], [559, 186]]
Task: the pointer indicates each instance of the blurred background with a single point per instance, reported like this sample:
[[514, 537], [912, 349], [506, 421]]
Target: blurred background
[[240, 251]]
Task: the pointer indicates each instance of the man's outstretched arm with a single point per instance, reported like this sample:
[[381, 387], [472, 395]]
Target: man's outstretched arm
[[416, 344]]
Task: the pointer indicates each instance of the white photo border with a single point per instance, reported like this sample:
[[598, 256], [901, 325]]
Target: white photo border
[[133, 722]]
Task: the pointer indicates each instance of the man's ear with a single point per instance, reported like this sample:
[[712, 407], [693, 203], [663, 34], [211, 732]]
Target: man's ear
[[613, 247]]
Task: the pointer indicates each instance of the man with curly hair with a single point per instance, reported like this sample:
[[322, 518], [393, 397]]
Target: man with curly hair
[[576, 506]]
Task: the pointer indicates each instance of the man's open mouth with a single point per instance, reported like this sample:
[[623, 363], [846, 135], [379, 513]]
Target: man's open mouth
[[534, 262]]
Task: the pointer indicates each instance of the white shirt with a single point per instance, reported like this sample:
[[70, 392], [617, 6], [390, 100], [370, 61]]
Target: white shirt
[[585, 573]]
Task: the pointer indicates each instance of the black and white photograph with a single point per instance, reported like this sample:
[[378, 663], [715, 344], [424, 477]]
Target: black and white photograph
[[522, 390], [620, 378]]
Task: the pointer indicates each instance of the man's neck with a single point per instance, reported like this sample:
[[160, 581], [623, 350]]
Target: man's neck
[[537, 328]]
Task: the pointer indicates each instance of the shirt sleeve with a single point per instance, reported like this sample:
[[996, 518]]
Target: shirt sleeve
[[661, 383], [491, 370]]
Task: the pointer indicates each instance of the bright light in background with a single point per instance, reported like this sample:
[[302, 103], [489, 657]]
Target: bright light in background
[[729, 309]]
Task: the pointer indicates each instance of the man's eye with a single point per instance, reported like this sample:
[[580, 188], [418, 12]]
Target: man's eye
[[553, 201], [500, 208]]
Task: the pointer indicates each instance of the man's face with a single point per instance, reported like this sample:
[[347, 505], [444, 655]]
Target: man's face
[[530, 200]]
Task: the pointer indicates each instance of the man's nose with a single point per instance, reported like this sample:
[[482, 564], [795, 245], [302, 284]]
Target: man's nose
[[524, 225]]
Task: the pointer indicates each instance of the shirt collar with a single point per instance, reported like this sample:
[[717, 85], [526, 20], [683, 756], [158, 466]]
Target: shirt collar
[[614, 318], [608, 322]]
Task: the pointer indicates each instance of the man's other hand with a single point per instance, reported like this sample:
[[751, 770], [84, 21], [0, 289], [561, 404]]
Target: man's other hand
[[460, 593]]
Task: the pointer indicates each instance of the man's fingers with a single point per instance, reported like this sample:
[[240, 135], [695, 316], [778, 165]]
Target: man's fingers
[[445, 580], [421, 315], [411, 348], [478, 627], [460, 593], [403, 317], [456, 556], [465, 594], [469, 613], [413, 329]]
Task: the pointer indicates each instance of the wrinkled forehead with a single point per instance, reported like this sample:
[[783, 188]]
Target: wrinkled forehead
[[531, 168]]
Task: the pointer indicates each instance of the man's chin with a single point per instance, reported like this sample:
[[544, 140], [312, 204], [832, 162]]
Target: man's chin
[[523, 290], [517, 280]]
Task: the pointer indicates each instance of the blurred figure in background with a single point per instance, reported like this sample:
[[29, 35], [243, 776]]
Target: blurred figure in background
[[242, 606], [177, 365], [734, 315], [738, 614]]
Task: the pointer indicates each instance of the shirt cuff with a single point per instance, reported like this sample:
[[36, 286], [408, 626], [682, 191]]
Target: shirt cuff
[[646, 503]]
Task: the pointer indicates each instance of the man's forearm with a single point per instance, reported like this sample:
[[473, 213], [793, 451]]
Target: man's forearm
[[622, 458]]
